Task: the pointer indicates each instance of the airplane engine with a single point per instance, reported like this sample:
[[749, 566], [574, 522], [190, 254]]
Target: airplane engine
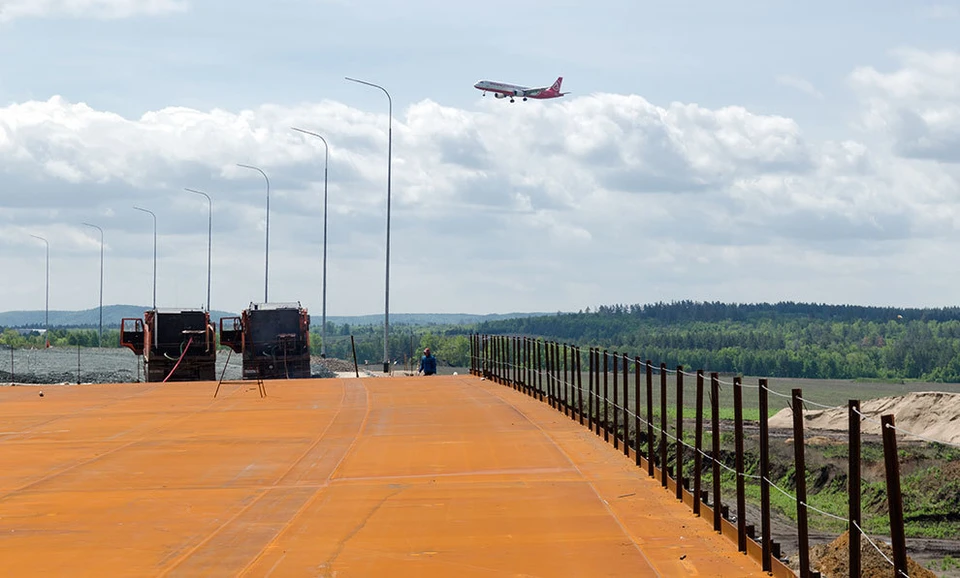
[[518, 93], [499, 95]]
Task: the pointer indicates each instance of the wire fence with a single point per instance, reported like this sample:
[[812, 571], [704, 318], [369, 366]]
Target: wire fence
[[617, 403]]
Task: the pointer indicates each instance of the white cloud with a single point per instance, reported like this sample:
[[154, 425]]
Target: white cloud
[[800, 84], [533, 206], [917, 106], [100, 9]]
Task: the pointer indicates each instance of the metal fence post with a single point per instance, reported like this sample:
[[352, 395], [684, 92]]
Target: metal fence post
[[715, 443], [738, 466], [698, 445], [853, 489], [626, 404], [765, 530], [579, 359], [663, 425], [894, 497], [590, 371], [800, 472], [650, 448], [606, 398], [679, 448], [616, 395], [636, 409]]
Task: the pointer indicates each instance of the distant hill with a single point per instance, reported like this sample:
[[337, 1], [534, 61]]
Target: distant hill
[[112, 314], [421, 318]]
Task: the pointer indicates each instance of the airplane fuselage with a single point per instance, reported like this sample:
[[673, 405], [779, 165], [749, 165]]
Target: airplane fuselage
[[506, 90]]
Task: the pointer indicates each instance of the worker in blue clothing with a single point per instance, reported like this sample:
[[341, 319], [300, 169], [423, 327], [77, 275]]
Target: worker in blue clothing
[[428, 363]]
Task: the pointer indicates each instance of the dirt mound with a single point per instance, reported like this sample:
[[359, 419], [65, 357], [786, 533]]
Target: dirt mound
[[833, 560], [932, 414]]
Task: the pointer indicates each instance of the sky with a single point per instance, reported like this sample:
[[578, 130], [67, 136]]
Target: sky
[[738, 151]]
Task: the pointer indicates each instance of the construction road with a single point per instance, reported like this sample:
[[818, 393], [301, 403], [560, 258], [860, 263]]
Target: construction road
[[404, 476]]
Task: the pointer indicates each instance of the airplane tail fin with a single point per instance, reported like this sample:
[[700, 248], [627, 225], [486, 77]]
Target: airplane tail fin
[[556, 85]]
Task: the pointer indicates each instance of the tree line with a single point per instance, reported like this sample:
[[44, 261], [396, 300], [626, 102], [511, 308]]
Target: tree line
[[777, 340]]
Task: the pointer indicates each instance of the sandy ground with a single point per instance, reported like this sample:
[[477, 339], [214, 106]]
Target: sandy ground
[[930, 414]]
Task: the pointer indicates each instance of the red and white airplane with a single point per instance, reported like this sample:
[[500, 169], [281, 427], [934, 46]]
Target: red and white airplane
[[503, 90]]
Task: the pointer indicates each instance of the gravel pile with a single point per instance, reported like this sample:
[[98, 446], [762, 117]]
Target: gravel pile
[[109, 365], [332, 364]]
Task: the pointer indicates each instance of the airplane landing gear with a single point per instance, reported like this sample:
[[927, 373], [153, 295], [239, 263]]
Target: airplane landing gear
[[511, 100], [524, 99]]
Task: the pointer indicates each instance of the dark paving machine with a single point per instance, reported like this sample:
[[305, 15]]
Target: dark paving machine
[[274, 339], [176, 344]]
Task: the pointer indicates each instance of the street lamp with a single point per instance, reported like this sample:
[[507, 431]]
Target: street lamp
[[266, 259], [46, 310], [100, 333], [386, 308], [326, 158], [209, 236], [154, 254]]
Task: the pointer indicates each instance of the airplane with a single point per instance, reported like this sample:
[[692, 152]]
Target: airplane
[[503, 90]]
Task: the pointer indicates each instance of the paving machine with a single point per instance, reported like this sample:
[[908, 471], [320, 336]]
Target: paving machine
[[274, 339], [176, 344]]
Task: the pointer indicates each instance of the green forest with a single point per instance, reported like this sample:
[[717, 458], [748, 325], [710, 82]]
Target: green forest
[[775, 340]]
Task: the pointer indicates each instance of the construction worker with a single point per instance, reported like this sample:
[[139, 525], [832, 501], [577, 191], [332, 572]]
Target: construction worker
[[428, 363]]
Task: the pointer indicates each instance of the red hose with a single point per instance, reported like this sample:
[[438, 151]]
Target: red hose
[[182, 354]]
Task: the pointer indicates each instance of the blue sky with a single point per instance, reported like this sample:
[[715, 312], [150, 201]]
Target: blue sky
[[739, 151]]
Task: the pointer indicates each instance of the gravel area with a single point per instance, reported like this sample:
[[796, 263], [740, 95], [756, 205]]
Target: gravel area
[[59, 365]]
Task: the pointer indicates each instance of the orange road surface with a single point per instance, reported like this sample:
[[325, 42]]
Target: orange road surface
[[412, 476]]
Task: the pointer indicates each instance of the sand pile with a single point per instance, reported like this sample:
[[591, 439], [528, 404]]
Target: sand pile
[[932, 414], [833, 560]]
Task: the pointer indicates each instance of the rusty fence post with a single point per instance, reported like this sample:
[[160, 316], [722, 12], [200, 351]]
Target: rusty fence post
[[766, 551], [578, 358], [539, 356], [528, 363], [626, 404], [606, 398], [738, 465], [636, 409], [566, 370], [679, 447], [596, 388], [698, 445], [800, 473], [715, 447], [590, 372], [497, 366], [853, 489], [650, 448], [616, 396], [554, 377], [548, 369], [663, 425], [894, 497], [561, 379]]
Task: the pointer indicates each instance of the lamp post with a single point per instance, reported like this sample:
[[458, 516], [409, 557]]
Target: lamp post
[[386, 308], [266, 259], [46, 307], [326, 159], [154, 254], [100, 331], [209, 236]]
